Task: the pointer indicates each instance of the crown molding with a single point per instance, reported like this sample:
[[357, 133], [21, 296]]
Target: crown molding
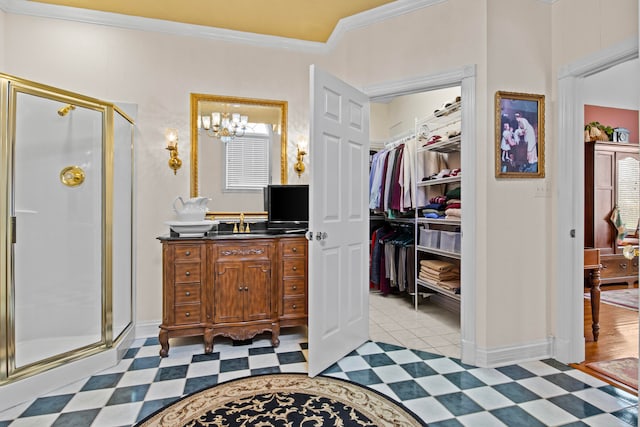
[[373, 16], [379, 14]]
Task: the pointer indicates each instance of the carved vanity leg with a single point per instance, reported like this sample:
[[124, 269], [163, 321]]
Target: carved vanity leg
[[275, 333], [208, 341], [163, 337]]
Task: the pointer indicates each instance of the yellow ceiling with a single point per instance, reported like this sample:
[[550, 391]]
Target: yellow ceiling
[[312, 20]]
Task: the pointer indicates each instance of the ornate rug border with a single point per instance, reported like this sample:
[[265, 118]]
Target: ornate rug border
[[391, 401]]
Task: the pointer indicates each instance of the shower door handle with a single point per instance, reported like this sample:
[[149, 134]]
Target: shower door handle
[[13, 229]]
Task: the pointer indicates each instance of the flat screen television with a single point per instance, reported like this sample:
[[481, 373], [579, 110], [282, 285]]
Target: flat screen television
[[287, 206]]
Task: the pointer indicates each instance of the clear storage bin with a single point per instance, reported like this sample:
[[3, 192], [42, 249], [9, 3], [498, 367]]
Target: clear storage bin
[[450, 241], [429, 238]]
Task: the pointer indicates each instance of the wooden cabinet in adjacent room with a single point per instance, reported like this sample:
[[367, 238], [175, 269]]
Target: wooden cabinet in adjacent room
[[611, 178], [601, 190], [236, 288]]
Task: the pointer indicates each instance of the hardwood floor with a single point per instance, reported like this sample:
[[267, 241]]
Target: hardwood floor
[[618, 336]]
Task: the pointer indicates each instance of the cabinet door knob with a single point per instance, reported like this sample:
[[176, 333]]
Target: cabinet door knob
[[187, 293], [187, 253], [188, 273], [294, 287], [240, 288], [623, 265], [294, 306], [246, 288], [294, 268], [294, 249], [187, 314]]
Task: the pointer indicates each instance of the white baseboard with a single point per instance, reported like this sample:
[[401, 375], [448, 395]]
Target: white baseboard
[[502, 356], [147, 329]]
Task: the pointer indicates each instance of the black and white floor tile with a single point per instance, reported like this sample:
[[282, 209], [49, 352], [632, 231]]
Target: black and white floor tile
[[440, 389]]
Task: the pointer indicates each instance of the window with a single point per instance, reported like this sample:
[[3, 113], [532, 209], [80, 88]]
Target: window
[[248, 159]]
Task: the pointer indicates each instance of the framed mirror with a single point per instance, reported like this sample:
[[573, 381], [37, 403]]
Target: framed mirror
[[238, 145]]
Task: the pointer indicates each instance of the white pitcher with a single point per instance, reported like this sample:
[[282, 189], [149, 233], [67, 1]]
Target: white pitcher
[[193, 209]]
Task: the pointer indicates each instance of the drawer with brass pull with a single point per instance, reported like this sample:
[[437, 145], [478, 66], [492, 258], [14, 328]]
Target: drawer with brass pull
[[615, 267], [187, 314], [187, 293], [294, 267], [295, 248], [294, 306], [187, 252], [293, 287], [187, 272]]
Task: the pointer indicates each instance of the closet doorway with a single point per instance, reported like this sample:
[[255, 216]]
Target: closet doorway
[[401, 312]]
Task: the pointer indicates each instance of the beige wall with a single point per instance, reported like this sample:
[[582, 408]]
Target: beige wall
[[2, 40], [516, 46], [518, 248], [157, 72]]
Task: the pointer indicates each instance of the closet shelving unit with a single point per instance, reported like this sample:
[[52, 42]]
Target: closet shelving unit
[[425, 129]]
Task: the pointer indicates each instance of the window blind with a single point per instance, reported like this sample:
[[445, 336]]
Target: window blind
[[247, 160]]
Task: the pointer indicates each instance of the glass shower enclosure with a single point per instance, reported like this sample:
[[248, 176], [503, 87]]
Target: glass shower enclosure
[[66, 210]]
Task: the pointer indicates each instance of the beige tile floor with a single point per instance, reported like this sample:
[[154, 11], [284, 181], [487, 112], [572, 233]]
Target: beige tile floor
[[394, 320]]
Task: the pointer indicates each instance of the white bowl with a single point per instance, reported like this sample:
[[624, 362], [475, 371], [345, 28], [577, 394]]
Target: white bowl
[[191, 228]]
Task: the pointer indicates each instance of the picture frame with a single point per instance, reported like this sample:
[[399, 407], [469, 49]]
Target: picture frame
[[519, 135]]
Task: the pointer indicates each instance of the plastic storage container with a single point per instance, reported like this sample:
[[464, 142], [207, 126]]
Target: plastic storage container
[[450, 241], [430, 238]]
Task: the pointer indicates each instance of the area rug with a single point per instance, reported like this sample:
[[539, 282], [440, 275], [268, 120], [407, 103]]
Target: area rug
[[627, 298], [290, 400], [624, 370]]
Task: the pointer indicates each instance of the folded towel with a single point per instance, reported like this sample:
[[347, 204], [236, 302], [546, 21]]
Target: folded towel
[[436, 264], [453, 213]]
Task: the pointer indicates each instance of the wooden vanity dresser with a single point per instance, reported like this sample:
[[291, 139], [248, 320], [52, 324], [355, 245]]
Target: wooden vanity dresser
[[235, 286]]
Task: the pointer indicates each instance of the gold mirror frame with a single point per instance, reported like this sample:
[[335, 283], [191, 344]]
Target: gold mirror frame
[[196, 98]]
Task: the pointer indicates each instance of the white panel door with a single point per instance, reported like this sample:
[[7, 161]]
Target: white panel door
[[338, 220]]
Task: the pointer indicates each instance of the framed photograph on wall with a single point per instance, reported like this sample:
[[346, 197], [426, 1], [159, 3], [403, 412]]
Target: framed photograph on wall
[[519, 135]]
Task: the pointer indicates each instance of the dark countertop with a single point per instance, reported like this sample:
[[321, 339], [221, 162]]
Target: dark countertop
[[270, 234]]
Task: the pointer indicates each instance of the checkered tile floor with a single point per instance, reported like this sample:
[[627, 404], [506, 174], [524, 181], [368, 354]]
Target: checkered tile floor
[[440, 389]]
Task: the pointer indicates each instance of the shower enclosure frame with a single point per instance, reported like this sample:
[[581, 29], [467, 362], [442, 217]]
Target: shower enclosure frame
[[10, 87]]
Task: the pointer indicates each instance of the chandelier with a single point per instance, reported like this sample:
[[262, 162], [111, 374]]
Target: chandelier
[[223, 126]]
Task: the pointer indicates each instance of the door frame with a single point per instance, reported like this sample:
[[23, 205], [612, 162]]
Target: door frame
[[569, 342], [465, 77]]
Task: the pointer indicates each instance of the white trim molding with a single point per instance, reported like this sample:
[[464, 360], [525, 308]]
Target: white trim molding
[[503, 356], [369, 17], [466, 78], [569, 308]]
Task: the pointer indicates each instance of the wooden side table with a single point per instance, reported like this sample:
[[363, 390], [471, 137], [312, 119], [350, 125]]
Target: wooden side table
[[593, 266]]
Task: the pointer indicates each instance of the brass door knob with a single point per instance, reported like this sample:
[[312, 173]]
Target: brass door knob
[[187, 253], [294, 287], [294, 306], [294, 250], [187, 314], [187, 273]]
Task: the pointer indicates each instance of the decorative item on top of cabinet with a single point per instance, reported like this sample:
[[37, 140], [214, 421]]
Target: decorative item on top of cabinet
[[293, 273]]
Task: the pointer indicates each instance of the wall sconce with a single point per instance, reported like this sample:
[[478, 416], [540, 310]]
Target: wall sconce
[[299, 165], [172, 145]]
